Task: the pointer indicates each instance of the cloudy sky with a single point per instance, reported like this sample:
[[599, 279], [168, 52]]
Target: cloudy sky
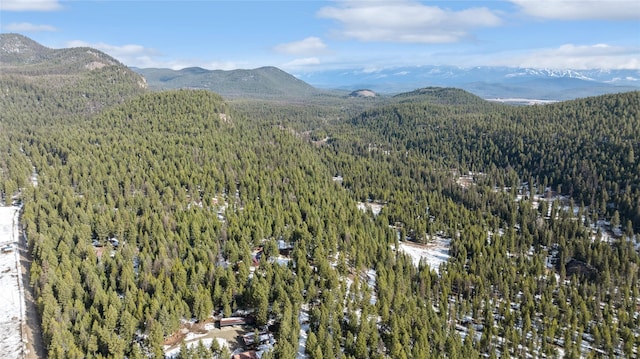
[[307, 36]]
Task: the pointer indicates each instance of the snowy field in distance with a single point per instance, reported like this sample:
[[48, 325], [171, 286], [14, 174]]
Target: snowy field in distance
[[10, 297], [522, 101]]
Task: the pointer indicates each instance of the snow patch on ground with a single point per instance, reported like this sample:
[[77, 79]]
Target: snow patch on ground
[[373, 206], [303, 319], [193, 343], [433, 253], [34, 177], [280, 260], [11, 299], [371, 282]]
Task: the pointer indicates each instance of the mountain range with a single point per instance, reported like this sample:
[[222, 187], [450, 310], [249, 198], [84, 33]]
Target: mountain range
[[486, 82], [274, 83]]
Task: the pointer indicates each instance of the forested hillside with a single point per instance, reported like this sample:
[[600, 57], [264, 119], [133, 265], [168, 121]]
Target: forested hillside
[[583, 148], [265, 82], [150, 173], [153, 210], [541, 203]]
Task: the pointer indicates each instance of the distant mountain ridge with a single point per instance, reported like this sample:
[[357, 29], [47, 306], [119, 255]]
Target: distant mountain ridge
[[263, 82], [483, 81], [20, 55]]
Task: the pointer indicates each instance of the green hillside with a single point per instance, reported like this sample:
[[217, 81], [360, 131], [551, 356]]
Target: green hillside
[[264, 82], [584, 147], [147, 172], [440, 95]]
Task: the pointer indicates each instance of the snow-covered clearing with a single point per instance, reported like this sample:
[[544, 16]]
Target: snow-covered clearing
[[205, 334], [433, 253], [373, 206], [11, 296], [466, 181], [175, 352]]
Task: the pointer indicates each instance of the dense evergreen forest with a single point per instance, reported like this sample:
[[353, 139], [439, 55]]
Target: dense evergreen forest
[[149, 206]]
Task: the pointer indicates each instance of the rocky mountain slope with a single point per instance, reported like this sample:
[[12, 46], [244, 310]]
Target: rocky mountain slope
[[68, 81]]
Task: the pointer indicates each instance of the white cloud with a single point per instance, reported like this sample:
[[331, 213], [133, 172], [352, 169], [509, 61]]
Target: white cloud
[[581, 9], [406, 21], [115, 50], [578, 57], [309, 46], [30, 5], [149, 62], [28, 27], [371, 69], [130, 54], [145, 57], [308, 61], [225, 65]]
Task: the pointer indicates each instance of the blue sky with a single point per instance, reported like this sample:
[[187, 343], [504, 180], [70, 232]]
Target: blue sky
[[307, 36]]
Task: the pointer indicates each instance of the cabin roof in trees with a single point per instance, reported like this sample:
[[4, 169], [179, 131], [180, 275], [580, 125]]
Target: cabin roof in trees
[[264, 338], [251, 354], [226, 322], [284, 248]]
